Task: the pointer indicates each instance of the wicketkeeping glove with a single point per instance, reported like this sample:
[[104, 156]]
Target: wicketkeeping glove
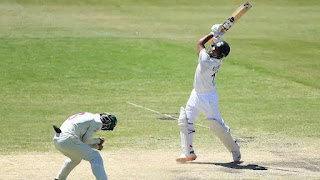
[[100, 147], [100, 144]]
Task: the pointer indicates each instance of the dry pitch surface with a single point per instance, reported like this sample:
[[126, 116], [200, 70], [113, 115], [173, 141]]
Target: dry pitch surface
[[281, 160]]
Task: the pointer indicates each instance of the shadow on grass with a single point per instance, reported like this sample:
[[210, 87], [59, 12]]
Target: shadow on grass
[[234, 165]]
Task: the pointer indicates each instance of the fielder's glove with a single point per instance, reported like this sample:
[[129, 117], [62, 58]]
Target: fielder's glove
[[100, 144]]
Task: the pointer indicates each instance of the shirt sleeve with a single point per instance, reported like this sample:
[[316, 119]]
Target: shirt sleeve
[[204, 60], [94, 127], [203, 56], [94, 146]]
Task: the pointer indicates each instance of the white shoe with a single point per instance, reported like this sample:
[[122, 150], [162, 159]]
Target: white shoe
[[236, 155], [183, 158]]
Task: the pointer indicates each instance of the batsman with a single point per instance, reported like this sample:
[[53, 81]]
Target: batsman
[[204, 97]]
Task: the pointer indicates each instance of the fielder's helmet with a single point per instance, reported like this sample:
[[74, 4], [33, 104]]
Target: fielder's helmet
[[109, 121], [222, 49]]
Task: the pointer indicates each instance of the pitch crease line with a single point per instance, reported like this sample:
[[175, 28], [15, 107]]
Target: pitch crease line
[[157, 112]]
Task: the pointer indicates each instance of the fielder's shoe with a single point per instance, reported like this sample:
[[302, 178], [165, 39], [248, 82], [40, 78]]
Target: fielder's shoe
[[183, 158], [236, 156]]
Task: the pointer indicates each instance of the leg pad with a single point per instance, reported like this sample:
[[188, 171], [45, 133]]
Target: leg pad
[[184, 133]]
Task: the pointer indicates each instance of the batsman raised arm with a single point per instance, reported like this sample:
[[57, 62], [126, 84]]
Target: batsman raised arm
[[204, 98]]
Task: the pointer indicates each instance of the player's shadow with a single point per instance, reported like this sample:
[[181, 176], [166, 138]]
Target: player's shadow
[[234, 165]]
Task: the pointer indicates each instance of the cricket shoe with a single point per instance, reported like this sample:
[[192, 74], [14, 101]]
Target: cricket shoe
[[183, 158], [236, 155]]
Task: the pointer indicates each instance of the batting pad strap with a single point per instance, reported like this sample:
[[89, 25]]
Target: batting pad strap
[[191, 128], [224, 135]]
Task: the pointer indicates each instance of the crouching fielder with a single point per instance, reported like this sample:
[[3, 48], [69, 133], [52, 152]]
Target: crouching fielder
[[204, 98], [74, 140]]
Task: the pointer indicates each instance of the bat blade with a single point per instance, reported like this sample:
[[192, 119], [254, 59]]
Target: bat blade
[[245, 7]]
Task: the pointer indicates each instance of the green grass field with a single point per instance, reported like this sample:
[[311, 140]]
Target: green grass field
[[59, 58]]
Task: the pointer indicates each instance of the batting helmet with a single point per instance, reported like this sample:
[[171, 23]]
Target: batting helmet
[[109, 121], [222, 49]]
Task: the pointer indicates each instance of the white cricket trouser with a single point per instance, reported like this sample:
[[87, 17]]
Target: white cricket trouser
[[76, 150], [206, 103]]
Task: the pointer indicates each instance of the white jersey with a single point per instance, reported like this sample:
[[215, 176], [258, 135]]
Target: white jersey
[[75, 141], [83, 126], [204, 78]]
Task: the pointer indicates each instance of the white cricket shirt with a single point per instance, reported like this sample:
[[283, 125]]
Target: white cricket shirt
[[83, 125], [206, 72]]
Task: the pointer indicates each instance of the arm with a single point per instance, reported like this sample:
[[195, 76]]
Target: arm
[[87, 138], [203, 41], [98, 146]]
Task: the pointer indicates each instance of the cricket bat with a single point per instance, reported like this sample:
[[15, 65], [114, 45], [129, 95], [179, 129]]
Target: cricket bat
[[245, 7]]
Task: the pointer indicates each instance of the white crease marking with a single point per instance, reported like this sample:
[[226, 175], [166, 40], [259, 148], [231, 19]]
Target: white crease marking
[[167, 115]]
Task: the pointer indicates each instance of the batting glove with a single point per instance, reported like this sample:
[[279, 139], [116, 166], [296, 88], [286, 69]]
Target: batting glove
[[217, 29], [216, 39]]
